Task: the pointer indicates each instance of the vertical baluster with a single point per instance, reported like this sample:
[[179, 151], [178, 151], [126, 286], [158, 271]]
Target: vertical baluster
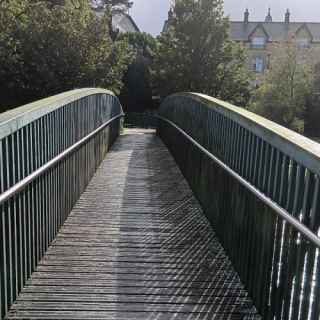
[[50, 176], [256, 161], [40, 183], [59, 171], [249, 152], [8, 227], [3, 243], [20, 211], [65, 162], [278, 237], [227, 140], [23, 212], [272, 171], [253, 154], [43, 184], [312, 308], [303, 252], [27, 157], [233, 144], [37, 192], [266, 167], [46, 134], [246, 152], [259, 178], [215, 136], [240, 141], [262, 237], [286, 242], [54, 172], [13, 204], [33, 197], [294, 249]]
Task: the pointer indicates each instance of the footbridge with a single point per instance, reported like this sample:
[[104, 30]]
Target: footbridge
[[213, 215]]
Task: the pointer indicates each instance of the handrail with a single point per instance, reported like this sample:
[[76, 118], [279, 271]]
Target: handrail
[[8, 194], [292, 143], [266, 200], [13, 120]]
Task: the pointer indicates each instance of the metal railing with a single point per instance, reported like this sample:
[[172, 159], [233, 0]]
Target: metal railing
[[49, 151], [259, 185]]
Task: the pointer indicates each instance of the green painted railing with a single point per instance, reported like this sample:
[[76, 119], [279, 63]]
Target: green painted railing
[[259, 186], [49, 151]]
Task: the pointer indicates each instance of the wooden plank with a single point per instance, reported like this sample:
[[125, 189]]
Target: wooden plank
[[136, 246]]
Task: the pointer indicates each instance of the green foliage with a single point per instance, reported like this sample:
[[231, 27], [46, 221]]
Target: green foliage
[[117, 4], [143, 43], [136, 94], [312, 111], [46, 49], [284, 91], [195, 54]]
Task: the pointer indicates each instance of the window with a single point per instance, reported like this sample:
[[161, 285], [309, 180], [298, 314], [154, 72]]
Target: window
[[258, 42], [258, 64], [303, 43]]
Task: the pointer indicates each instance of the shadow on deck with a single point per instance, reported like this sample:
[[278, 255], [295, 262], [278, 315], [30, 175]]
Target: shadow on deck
[[136, 246]]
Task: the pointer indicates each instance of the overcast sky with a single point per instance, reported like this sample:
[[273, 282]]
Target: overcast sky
[[151, 14]]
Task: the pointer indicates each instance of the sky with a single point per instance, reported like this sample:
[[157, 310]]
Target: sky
[[151, 14]]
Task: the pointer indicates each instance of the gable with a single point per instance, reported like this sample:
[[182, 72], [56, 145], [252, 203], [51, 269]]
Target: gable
[[259, 32], [275, 31], [303, 33]]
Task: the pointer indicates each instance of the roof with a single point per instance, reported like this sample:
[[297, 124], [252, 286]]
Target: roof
[[276, 31], [120, 21], [165, 26], [124, 22]]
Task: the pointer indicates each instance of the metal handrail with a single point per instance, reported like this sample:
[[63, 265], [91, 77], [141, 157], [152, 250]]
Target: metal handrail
[[266, 200], [10, 193], [17, 118]]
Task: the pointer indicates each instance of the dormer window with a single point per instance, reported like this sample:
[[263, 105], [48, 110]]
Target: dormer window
[[258, 42], [303, 43]]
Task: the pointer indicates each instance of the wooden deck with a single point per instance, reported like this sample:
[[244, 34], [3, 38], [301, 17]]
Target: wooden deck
[[136, 246]]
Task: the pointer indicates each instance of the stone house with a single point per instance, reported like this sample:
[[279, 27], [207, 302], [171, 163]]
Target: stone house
[[261, 37]]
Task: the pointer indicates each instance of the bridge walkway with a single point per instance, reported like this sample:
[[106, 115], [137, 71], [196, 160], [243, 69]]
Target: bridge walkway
[[135, 246]]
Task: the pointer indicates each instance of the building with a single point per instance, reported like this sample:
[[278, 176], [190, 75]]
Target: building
[[122, 22], [261, 37]]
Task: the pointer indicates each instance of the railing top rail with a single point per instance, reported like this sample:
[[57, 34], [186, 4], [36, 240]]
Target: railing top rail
[[17, 118], [296, 146]]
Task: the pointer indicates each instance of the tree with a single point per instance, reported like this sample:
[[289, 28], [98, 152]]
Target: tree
[[141, 42], [195, 54], [283, 94], [136, 94], [113, 4], [51, 49], [312, 110]]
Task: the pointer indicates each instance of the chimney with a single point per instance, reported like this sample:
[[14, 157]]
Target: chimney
[[287, 17], [269, 17], [246, 16]]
